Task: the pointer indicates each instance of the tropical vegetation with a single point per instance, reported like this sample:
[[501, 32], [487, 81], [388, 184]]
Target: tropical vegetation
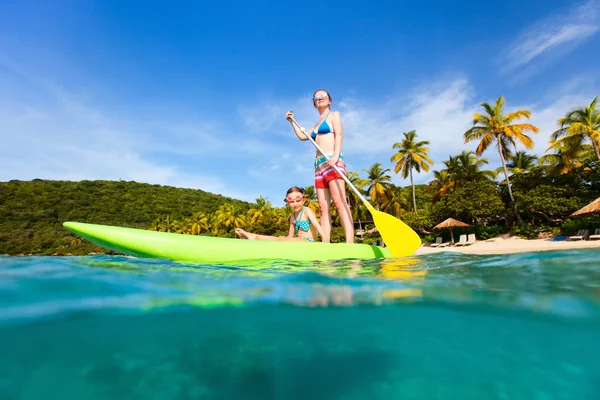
[[495, 126], [527, 195], [411, 155]]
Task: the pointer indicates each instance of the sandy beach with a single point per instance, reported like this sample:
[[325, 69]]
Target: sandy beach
[[502, 245]]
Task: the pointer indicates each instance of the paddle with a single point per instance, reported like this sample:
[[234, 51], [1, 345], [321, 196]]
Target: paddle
[[400, 239]]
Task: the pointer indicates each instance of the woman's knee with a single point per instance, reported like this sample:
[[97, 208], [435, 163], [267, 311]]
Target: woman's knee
[[324, 206], [340, 204]]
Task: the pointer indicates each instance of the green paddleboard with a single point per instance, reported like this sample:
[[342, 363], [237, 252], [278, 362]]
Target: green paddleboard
[[179, 247]]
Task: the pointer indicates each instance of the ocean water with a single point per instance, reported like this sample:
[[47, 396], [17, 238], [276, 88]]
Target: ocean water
[[444, 326]]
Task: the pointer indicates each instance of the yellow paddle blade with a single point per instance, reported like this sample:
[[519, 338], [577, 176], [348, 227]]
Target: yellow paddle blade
[[399, 238]]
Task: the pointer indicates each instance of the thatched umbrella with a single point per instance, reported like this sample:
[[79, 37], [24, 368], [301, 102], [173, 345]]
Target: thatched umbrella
[[592, 208], [451, 223]]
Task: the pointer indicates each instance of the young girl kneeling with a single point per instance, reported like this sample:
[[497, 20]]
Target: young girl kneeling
[[303, 222]]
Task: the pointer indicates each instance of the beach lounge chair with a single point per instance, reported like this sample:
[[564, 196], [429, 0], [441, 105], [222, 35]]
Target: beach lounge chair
[[582, 234], [596, 235], [438, 241], [470, 240], [462, 241]]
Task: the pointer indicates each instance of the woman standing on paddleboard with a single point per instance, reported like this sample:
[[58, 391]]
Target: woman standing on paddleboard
[[328, 134]]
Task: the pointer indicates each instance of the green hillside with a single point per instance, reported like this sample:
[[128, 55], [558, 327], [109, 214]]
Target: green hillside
[[32, 212]]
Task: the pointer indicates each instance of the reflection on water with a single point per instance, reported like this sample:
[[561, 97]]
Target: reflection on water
[[561, 283]]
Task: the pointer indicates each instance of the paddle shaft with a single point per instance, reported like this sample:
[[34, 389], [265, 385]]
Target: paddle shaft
[[401, 239], [366, 203]]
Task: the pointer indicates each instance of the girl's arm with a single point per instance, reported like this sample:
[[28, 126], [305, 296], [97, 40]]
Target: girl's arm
[[338, 135], [313, 220], [291, 230]]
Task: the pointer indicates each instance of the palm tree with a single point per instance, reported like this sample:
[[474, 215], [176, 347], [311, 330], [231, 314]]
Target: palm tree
[[442, 184], [179, 227], [395, 201], [379, 183], [281, 215], [164, 224], [495, 126], [228, 217], [198, 223], [580, 123], [569, 154], [156, 225], [453, 166], [311, 197], [411, 155], [521, 162], [353, 200], [257, 212], [463, 167], [468, 167]]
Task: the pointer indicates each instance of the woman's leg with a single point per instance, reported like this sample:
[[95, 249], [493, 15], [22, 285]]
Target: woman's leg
[[338, 194], [324, 199]]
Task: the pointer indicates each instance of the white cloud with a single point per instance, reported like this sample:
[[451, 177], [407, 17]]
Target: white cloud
[[551, 33], [440, 112], [567, 33], [577, 92], [51, 134], [48, 132], [545, 116], [267, 117]]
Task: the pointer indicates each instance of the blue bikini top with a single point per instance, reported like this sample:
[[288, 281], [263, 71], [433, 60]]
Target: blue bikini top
[[304, 225], [323, 128]]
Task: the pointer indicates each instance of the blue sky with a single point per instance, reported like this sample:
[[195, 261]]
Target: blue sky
[[193, 94]]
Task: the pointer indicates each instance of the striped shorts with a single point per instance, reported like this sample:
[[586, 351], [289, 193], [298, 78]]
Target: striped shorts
[[324, 173]]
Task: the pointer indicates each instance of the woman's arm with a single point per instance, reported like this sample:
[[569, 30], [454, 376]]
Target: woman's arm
[[297, 130]]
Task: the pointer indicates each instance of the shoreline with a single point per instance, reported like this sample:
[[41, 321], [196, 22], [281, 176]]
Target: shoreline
[[495, 246], [511, 245]]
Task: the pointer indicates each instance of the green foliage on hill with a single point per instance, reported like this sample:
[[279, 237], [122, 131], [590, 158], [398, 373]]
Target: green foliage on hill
[[32, 212]]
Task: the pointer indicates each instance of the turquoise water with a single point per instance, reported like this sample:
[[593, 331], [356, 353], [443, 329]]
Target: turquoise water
[[444, 326]]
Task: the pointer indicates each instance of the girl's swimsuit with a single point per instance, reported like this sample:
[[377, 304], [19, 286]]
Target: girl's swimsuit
[[304, 225]]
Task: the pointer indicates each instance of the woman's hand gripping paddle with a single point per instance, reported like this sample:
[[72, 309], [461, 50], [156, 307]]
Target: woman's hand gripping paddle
[[400, 239]]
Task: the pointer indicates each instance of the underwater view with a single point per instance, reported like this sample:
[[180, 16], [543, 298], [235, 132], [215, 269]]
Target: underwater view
[[440, 326]]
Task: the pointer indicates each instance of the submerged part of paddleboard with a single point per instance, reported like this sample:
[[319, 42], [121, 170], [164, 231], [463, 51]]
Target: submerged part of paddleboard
[[179, 247]]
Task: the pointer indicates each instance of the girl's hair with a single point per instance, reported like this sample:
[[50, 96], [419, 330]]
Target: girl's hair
[[294, 189], [320, 90]]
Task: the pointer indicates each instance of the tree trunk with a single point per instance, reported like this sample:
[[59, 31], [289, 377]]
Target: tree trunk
[[512, 199], [541, 213], [595, 146], [413, 188]]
